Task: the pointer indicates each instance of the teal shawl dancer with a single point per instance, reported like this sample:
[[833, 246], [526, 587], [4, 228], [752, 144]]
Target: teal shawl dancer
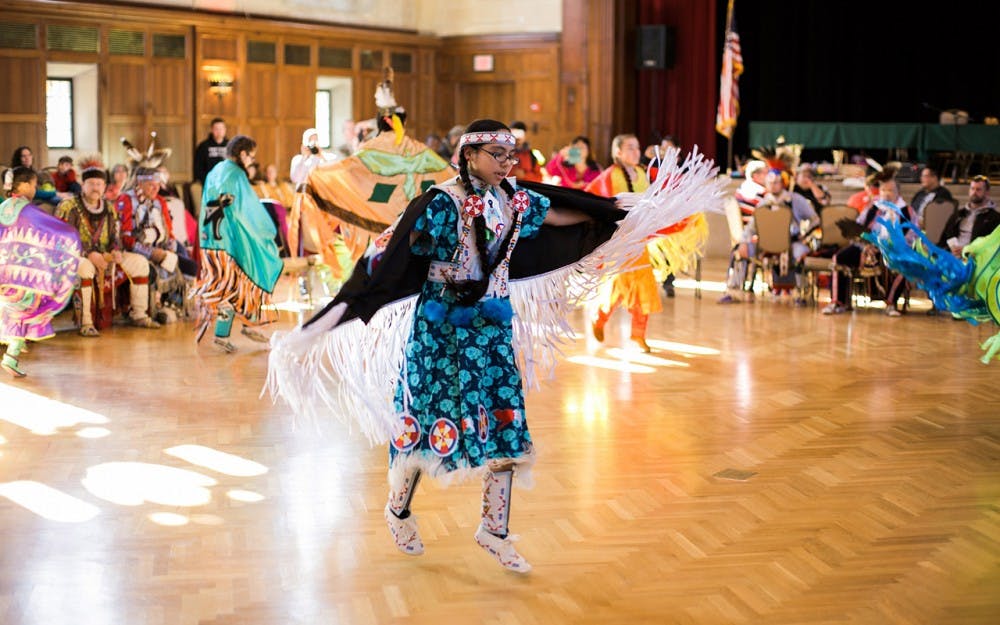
[[241, 234]]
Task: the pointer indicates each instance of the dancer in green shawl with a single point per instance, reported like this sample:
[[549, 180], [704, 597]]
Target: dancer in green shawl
[[240, 263]]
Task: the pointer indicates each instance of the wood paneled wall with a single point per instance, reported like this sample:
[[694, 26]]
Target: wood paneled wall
[[523, 84], [139, 94], [558, 87]]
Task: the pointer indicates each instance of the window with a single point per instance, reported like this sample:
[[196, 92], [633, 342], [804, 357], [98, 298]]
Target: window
[[335, 57], [59, 112], [324, 112], [297, 55]]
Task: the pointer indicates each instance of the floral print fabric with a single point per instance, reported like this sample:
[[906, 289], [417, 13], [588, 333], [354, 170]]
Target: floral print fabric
[[463, 402]]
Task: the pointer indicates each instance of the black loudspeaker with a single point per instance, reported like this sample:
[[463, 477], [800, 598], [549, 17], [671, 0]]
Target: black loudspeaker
[[655, 47]]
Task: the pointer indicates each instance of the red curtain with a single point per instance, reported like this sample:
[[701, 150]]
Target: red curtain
[[682, 101]]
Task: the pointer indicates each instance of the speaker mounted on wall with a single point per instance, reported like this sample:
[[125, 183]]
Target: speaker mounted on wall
[[655, 47]]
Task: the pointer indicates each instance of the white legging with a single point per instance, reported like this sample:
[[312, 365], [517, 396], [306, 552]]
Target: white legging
[[136, 267]]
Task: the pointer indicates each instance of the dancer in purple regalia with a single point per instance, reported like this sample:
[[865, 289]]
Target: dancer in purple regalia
[[39, 255]]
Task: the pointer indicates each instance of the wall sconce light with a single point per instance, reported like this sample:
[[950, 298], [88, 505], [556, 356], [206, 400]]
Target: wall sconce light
[[220, 86]]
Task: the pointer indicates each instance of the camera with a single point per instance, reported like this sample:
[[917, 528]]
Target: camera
[[313, 149]]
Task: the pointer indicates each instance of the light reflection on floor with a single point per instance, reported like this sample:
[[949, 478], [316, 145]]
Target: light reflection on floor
[[218, 461], [48, 502], [122, 483], [642, 358], [135, 483], [42, 415], [608, 363]]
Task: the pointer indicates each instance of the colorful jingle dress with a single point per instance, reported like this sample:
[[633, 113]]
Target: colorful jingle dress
[[39, 255], [462, 403]]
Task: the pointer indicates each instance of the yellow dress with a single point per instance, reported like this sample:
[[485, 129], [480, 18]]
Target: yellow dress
[[635, 290]]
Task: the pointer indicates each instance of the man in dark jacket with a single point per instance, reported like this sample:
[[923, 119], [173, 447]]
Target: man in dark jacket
[[978, 218], [210, 151], [930, 191]]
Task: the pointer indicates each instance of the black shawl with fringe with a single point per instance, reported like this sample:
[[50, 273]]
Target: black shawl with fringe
[[400, 274]]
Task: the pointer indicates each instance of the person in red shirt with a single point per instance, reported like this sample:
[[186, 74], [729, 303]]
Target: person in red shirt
[[866, 196], [528, 167], [64, 177]]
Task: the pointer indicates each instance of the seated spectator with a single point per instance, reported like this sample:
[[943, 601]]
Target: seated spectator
[[46, 195], [806, 186], [147, 229], [434, 142], [271, 188], [449, 148], [804, 219], [855, 254], [865, 197], [977, 218], [23, 157], [527, 166], [64, 177], [573, 166], [119, 177], [167, 188], [751, 191], [931, 189], [94, 217]]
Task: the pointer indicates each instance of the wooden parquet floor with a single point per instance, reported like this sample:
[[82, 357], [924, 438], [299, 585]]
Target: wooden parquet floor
[[766, 464]]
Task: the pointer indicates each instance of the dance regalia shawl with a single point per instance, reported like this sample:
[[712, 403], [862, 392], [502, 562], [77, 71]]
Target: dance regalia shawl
[[240, 263], [672, 249], [636, 288], [348, 360], [39, 255], [355, 199], [969, 287]]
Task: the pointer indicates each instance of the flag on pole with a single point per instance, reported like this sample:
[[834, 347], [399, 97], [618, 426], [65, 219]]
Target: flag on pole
[[729, 87]]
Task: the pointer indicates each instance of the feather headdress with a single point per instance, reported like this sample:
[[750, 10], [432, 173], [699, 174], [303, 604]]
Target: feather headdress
[[152, 158]]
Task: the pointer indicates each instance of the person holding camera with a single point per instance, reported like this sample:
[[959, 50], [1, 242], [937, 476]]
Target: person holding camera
[[573, 166], [309, 157]]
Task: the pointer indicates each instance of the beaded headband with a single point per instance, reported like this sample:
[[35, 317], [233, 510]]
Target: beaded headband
[[502, 137], [153, 177]]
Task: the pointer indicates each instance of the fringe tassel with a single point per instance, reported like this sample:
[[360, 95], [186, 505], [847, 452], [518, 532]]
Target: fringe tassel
[[222, 280], [679, 251]]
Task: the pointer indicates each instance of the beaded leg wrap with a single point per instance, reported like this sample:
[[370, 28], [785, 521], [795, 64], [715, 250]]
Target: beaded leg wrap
[[402, 524], [492, 534]]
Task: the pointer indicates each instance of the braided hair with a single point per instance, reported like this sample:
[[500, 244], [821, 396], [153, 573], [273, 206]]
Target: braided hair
[[616, 146], [469, 292]]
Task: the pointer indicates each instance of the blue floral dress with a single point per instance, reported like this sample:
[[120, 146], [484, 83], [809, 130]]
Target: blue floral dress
[[463, 402]]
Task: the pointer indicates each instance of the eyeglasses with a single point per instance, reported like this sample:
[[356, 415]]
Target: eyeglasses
[[980, 178], [504, 158]]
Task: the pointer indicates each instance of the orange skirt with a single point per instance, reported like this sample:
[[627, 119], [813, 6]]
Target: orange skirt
[[635, 289]]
